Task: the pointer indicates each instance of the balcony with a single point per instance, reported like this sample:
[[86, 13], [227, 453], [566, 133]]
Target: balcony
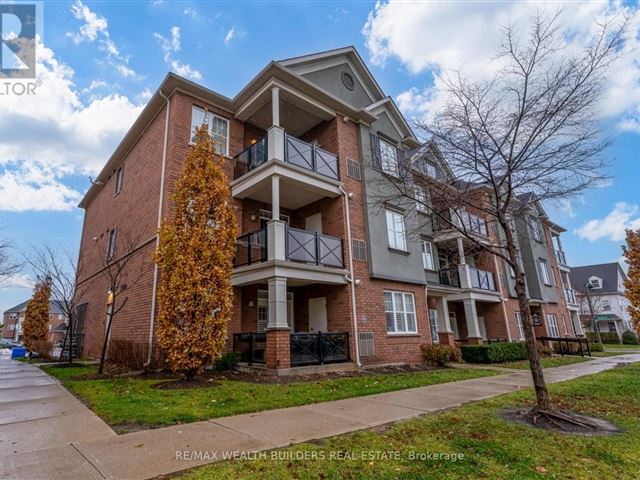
[[562, 259], [461, 219], [570, 296], [481, 279], [297, 152], [449, 277], [314, 248], [251, 248]]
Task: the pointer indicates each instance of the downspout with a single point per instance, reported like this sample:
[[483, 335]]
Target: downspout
[[350, 278], [504, 307], [160, 203]]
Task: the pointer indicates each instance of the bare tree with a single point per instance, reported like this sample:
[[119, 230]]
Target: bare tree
[[62, 267], [528, 135], [8, 265], [120, 275]]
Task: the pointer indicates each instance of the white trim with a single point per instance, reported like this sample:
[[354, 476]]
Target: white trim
[[404, 313]]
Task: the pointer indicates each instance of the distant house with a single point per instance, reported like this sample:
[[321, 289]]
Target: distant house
[[14, 318], [607, 296]]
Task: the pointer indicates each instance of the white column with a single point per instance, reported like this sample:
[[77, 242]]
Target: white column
[[276, 231], [275, 106], [463, 261], [275, 197], [443, 315], [275, 144], [278, 303], [471, 315]]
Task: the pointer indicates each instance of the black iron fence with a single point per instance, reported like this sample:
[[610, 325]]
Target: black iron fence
[[312, 247], [319, 348], [251, 248], [251, 347], [568, 345], [250, 158]]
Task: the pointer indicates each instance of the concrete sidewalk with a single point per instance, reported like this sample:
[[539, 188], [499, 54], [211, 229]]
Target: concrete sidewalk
[[98, 453]]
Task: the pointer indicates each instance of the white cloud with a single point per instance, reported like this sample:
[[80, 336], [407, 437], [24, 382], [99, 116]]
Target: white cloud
[[191, 12], [17, 280], [613, 225], [53, 134], [169, 48], [447, 36], [96, 28], [231, 34]]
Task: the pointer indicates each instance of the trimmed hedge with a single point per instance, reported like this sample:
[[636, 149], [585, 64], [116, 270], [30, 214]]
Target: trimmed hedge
[[494, 352], [609, 338], [629, 338]]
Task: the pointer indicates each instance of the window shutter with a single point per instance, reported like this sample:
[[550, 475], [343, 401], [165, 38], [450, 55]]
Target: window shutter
[[375, 151]]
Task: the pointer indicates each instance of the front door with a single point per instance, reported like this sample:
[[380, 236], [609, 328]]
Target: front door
[[318, 314], [313, 223]]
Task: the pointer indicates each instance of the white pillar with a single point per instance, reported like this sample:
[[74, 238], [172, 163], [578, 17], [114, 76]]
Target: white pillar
[[463, 261], [275, 144], [471, 315], [278, 303], [275, 106], [443, 315], [275, 197], [276, 231]]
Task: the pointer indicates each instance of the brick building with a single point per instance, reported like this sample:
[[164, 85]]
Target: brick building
[[14, 317], [303, 144]]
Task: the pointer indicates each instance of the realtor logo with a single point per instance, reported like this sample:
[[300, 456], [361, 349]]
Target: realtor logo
[[17, 40]]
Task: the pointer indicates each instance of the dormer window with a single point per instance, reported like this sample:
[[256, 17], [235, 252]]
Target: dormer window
[[596, 283]]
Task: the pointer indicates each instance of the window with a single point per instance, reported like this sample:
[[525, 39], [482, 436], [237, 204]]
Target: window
[[117, 186], [111, 244], [433, 324], [428, 168], [218, 128], [353, 169], [612, 327], [536, 230], [395, 230], [421, 199], [545, 275], [427, 256], [388, 158], [606, 306], [359, 249], [520, 326], [400, 311], [596, 282], [552, 325]]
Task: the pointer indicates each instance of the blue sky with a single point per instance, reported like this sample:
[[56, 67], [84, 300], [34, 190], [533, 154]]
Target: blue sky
[[100, 61]]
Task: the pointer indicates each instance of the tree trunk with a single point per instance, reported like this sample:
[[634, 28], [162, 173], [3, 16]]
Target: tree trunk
[[105, 344]]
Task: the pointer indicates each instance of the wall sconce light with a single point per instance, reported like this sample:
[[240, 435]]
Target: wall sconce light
[[358, 281], [253, 218], [250, 303]]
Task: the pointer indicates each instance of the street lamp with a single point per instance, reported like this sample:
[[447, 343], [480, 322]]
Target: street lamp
[[588, 286]]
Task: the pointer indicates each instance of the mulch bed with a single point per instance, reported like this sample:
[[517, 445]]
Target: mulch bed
[[562, 421]]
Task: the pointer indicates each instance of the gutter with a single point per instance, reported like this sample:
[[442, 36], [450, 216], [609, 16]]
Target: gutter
[[351, 279], [160, 204]]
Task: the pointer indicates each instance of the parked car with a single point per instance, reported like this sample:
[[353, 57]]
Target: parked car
[[6, 343]]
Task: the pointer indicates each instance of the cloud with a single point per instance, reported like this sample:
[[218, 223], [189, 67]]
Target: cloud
[[17, 280], [419, 36], [191, 12], [96, 28], [231, 34], [613, 225], [53, 134], [169, 48]]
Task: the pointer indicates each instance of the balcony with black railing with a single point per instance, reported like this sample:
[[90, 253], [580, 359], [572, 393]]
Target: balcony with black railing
[[449, 277], [251, 248], [482, 279]]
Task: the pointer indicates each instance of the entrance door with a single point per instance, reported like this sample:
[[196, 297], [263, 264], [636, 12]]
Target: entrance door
[[313, 223], [318, 314], [454, 325], [483, 328]]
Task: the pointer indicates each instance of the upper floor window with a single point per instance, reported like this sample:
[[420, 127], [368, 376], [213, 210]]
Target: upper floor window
[[421, 199], [545, 274], [388, 158], [427, 255], [218, 128], [606, 305], [536, 229], [595, 282], [427, 168], [111, 244], [395, 230], [400, 311], [117, 186]]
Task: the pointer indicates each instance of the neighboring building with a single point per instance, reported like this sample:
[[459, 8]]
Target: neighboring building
[[14, 317], [304, 143], [607, 297]]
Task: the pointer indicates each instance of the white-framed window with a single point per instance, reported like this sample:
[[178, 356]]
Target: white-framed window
[[395, 230], [117, 186], [421, 199], [111, 243], [427, 255], [520, 326], [596, 283], [400, 311], [606, 305], [388, 158], [453, 321], [552, 325], [428, 168], [545, 274], [536, 229], [612, 327], [433, 324], [218, 128]]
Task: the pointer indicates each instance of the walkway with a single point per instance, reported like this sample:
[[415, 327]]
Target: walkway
[[47, 433]]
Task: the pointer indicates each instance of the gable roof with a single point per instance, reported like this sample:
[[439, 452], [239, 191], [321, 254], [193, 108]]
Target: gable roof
[[608, 272], [54, 307]]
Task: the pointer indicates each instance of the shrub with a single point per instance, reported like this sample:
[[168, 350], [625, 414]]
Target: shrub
[[440, 354], [543, 350], [630, 338], [595, 347], [228, 361], [494, 352], [41, 347], [128, 354], [606, 337]]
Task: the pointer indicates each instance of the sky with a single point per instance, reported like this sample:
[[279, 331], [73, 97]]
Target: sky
[[99, 62]]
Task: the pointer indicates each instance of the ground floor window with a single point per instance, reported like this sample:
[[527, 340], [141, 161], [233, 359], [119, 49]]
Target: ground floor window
[[520, 326], [399, 308], [433, 324], [612, 327], [453, 321], [552, 325]]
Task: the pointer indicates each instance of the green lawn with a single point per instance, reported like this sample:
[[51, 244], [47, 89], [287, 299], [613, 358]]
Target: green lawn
[[621, 347], [491, 447], [135, 401], [547, 362]]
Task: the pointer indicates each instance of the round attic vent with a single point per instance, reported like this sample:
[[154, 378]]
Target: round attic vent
[[347, 80]]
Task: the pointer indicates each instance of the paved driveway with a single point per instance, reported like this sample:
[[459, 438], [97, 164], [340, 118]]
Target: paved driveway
[[38, 421]]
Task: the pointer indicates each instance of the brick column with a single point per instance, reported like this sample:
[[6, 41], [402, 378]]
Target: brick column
[[278, 354], [474, 341], [446, 338]]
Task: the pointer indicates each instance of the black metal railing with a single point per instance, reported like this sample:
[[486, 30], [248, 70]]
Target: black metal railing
[[482, 279], [450, 277], [563, 345], [251, 248], [562, 259], [251, 346], [312, 247], [319, 348], [250, 158], [570, 296], [310, 157]]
